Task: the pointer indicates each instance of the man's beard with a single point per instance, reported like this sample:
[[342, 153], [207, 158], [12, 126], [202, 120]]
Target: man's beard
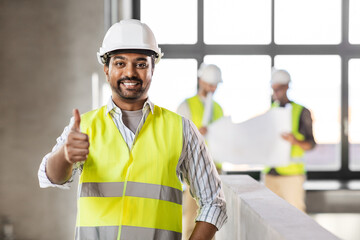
[[128, 94]]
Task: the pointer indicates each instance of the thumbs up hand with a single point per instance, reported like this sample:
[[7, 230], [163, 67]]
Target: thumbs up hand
[[76, 147], [77, 119]]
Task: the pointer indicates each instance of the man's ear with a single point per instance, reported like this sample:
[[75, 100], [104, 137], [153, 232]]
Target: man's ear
[[106, 71]]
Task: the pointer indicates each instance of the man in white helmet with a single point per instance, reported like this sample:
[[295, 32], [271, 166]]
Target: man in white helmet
[[130, 154], [287, 181], [193, 108], [201, 109]]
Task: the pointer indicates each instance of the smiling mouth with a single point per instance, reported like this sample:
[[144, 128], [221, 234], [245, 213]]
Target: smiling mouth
[[130, 84]]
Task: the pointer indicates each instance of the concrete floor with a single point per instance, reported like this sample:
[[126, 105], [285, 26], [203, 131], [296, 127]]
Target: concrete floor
[[343, 225]]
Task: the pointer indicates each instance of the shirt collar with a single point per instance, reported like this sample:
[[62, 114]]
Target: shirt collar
[[112, 106]]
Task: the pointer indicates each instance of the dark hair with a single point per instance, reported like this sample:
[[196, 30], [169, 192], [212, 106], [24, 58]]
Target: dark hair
[[107, 56]]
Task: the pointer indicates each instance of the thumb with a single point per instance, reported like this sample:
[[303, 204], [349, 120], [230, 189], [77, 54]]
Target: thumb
[[77, 119]]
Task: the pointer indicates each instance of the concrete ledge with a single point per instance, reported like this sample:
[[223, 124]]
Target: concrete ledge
[[256, 213]]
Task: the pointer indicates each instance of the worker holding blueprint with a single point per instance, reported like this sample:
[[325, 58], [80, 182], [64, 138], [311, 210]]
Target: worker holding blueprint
[[287, 181], [277, 139]]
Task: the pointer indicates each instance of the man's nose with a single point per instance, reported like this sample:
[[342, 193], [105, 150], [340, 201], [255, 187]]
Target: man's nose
[[130, 71]]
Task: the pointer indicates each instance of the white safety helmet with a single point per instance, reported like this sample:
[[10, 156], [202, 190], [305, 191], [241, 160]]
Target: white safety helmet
[[128, 34], [210, 73], [280, 76]]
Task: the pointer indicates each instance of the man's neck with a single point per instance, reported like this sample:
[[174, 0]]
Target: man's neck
[[283, 103], [202, 93], [129, 104]]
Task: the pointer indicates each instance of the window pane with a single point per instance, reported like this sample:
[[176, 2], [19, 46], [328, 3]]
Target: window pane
[[354, 114], [237, 22], [245, 91], [308, 21], [105, 93], [354, 21], [173, 22], [316, 85], [173, 81]]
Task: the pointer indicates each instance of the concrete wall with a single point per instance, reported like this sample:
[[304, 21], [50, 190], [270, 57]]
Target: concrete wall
[[256, 213], [47, 55]]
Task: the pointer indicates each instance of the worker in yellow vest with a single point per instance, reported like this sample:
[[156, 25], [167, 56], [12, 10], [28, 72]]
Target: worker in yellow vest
[[287, 181], [202, 110], [131, 153], [194, 108]]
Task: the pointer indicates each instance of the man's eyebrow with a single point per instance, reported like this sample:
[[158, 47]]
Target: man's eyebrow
[[141, 59], [119, 57], [137, 59]]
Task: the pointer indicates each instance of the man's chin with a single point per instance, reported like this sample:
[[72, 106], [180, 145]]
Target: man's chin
[[130, 97]]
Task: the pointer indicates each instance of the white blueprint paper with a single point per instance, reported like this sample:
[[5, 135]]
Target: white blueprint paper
[[256, 141], [207, 109]]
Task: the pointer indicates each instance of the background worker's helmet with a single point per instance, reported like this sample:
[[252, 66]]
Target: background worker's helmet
[[279, 76], [128, 34], [210, 73]]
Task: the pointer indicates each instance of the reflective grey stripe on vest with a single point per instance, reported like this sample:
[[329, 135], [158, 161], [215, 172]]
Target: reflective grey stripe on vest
[[133, 189], [127, 233], [102, 189], [154, 191], [97, 233], [132, 233]]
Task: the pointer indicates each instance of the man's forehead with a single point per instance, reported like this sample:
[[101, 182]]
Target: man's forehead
[[131, 56], [208, 84], [278, 85]]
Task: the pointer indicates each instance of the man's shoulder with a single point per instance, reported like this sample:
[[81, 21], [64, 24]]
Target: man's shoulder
[[217, 104], [297, 105], [94, 111], [90, 115], [195, 97], [184, 104], [304, 111], [165, 111]]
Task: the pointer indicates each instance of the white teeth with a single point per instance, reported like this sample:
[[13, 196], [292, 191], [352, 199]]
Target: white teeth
[[130, 84]]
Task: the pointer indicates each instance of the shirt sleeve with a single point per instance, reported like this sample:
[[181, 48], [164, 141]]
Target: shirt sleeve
[[44, 181], [200, 173], [305, 126]]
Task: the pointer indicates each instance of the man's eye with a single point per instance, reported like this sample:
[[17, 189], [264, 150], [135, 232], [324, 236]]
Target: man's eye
[[119, 64], [142, 65]]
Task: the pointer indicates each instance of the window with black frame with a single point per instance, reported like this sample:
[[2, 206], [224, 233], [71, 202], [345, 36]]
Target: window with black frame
[[246, 38]]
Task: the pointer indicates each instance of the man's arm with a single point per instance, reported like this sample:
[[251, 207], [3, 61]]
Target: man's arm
[[203, 231], [305, 128], [59, 165], [200, 173], [305, 144], [58, 169]]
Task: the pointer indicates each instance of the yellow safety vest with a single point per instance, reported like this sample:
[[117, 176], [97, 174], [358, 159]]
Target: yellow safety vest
[[294, 168], [131, 194], [197, 110]]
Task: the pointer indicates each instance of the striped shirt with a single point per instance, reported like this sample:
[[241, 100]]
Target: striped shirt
[[195, 165]]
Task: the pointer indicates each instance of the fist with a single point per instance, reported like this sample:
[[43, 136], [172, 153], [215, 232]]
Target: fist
[[203, 130], [77, 144], [289, 137]]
